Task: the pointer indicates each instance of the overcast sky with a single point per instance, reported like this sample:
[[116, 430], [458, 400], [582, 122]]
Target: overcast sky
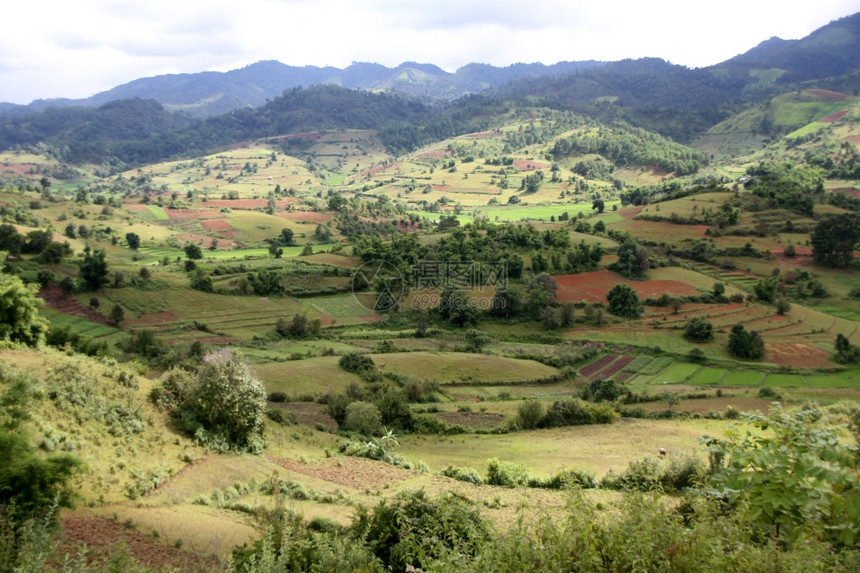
[[76, 48]]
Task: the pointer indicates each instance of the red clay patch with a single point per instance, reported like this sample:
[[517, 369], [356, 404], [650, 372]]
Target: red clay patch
[[530, 164], [594, 286], [435, 153], [55, 299], [250, 203], [187, 214], [827, 95], [101, 536], [797, 354], [833, 116], [216, 225], [484, 135]]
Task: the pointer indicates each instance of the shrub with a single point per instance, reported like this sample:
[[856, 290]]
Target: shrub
[[412, 531], [530, 414], [357, 363], [225, 406], [623, 301], [565, 479], [572, 412], [468, 475], [506, 474], [362, 417], [699, 330]]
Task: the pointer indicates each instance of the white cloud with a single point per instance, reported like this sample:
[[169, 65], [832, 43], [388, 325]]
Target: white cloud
[[75, 49]]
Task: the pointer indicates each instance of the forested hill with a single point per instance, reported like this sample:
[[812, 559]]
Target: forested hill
[[136, 132], [212, 93]]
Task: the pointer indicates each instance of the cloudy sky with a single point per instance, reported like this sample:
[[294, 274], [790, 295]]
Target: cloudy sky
[[63, 48]]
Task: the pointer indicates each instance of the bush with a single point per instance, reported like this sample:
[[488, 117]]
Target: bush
[[411, 530], [506, 474], [224, 407], [565, 479], [362, 417], [572, 412], [623, 301], [356, 363], [530, 414], [699, 330], [468, 475]]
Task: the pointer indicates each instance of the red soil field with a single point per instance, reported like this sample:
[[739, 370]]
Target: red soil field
[[216, 225], [55, 299], [435, 153], [530, 165], [630, 212], [596, 366], [101, 536], [250, 203], [797, 354], [299, 216], [594, 286], [186, 214], [616, 366], [833, 116], [136, 207], [827, 95]]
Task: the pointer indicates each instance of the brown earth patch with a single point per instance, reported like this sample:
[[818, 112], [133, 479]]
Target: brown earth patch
[[797, 354], [301, 216], [358, 473], [827, 95], [101, 536], [435, 153], [153, 319], [187, 214], [308, 413], [705, 405], [251, 203], [473, 420], [594, 286], [833, 116], [217, 225], [135, 207], [56, 299], [530, 164]]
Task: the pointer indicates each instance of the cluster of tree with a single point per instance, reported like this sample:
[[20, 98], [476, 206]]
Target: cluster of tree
[[298, 327], [748, 345], [622, 145], [787, 186], [222, 406], [35, 242], [834, 239]]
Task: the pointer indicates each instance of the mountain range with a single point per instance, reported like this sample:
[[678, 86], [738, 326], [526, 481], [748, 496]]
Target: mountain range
[[830, 51]]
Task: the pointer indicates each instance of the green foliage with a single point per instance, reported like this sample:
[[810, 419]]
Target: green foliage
[[133, 240], [530, 414], [699, 330], [225, 407], [94, 270], [19, 311], [362, 417], [623, 301], [193, 251], [846, 353], [791, 476], [632, 260], [29, 483], [298, 327], [413, 531], [786, 186], [506, 474], [600, 390], [765, 289], [573, 412], [746, 345], [357, 363], [468, 475], [834, 239]]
